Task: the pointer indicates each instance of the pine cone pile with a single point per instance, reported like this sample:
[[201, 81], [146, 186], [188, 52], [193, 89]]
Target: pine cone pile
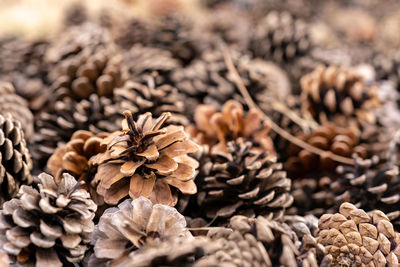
[[208, 133], [48, 225], [353, 237], [15, 160]]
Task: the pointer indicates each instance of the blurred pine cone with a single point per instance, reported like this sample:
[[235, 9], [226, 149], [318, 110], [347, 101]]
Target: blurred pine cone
[[85, 62], [132, 225], [56, 126], [48, 226], [355, 238], [243, 180], [281, 38], [15, 160], [74, 157], [16, 106], [328, 137], [146, 160], [339, 95], [215, 129], [148, 96], [255, 242]]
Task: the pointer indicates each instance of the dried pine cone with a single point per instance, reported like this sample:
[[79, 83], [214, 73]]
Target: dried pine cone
[[15, 160], [85, 65], [254, 242], [17, 107], [337, 94], [146, 160], [74, 157], [281, 38], [132, 225], [55, 127], [355, 238], [242, 181], [149, 96], [48, 226], [216, 129], [328, 137]]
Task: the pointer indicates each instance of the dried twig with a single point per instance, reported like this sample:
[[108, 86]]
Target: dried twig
[[275, 127]]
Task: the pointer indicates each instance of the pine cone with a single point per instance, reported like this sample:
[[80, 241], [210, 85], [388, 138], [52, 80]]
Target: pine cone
[[355, 238], [216, 129], [82, 67], [242, 181], [253, 242], [132, 225], [16, 106], [328, 137], [149, 96], [281, 38], [338, 94], [55, 127], [15, 160], [49, 226], [146, 160], [74, 157]]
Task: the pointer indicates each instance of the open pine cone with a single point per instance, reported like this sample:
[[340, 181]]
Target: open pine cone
[[48, 226], [56, 126], [355, 238], [85, 65], [146, 160], [74, 157], [14, 104], [216, 129], [242, 181], [327, 137], [281, 38], [15, 160], [339, 95], [132, 225]]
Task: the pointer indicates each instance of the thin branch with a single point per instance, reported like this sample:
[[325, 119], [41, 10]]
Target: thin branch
[[275, 127]]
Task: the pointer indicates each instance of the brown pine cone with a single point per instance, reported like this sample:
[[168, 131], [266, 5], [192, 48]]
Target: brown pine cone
[[328, 137], [132, 225], [243, 180], [254, 242], [339, 95], [355, 238], [74, 157], [16, 106], [85, 62], [55, 127], [146, 160], [15, 160], [149, 96], [281, 38], [216, 129], [48, 226]]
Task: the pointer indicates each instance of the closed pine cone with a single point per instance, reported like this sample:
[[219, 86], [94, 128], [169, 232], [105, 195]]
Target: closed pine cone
[[254, 242], [74, 157], [354, 238], [338, 94], [327, 137], [281, 38], [146, 160], [56, 126], [147, 95], [132, 225], [15, 160], [48, 226], [242, 181], [12, 103], [85, 62], [216, 129]]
